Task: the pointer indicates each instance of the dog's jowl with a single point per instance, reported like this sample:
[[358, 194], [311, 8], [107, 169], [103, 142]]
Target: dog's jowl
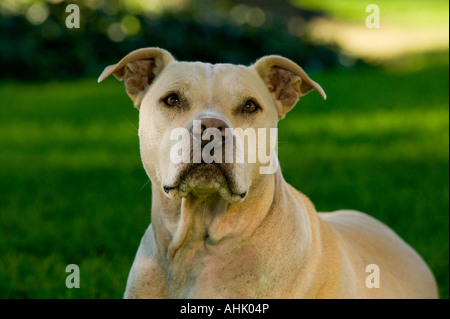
[[225, 224]]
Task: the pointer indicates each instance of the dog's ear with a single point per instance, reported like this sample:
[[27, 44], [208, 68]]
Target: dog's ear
[[286, 81], [138, 69]]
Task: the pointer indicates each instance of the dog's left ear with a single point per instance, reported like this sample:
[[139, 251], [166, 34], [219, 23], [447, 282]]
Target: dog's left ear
[[286, 81], [139, 69]]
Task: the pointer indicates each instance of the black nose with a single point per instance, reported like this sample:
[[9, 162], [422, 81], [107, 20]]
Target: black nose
[[202, 125]]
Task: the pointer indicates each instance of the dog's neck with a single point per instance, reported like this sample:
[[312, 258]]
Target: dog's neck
[[208, 219], [192, 230]]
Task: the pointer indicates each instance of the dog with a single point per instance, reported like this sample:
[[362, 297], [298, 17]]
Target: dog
[[225, 230]]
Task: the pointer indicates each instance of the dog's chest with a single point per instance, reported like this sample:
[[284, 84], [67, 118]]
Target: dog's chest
[[200, 270]]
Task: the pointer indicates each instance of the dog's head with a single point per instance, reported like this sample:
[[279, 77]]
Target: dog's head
[[204, 128]]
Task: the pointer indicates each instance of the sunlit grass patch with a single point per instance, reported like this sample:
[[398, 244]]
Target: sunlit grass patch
[[394, 12]]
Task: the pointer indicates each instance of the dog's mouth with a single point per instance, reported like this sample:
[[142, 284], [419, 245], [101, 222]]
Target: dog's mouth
[[203, 180]]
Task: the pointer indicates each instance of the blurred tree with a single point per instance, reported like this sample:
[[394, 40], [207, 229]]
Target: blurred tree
[[37, 45]]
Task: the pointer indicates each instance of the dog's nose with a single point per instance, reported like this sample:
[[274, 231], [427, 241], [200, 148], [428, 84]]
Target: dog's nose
[[214, 123], [203, 124]]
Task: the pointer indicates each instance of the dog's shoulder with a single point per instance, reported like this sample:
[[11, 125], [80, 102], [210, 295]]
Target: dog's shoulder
[[367, 241], [361, 229]]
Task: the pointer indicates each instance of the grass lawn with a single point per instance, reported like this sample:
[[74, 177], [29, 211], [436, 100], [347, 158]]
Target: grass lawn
[[73, 191]]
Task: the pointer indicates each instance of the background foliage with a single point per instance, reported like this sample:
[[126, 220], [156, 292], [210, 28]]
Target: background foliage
[[109, 31]]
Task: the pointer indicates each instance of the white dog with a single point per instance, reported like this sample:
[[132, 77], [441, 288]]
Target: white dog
[[224, 230]]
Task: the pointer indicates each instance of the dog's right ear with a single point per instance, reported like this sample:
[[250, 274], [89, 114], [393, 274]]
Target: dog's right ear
[[138, 69]]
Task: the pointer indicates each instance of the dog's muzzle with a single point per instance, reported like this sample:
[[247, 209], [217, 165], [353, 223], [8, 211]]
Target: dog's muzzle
[[207, 171]]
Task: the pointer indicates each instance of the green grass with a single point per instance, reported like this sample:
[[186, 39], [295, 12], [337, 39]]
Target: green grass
[[72, 184]]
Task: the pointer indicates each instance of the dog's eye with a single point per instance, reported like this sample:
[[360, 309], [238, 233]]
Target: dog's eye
[[250, 107], [172, 100]]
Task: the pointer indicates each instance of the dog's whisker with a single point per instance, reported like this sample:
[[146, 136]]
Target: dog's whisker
[[145, 185], [134, 126]]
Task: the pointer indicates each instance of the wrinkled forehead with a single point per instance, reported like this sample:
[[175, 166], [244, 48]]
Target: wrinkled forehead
[[213, 78]]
